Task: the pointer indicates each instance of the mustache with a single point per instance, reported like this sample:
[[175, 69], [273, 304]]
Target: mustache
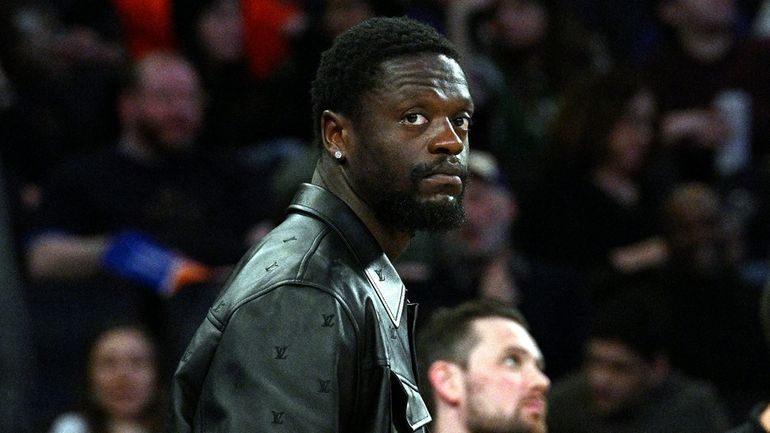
[[450, 166]]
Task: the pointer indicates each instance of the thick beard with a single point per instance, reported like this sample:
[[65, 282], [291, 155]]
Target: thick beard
[[496, 423], [403, 210]]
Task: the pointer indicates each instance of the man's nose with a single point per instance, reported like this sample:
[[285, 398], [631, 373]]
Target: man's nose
[[539, 379], [447, 139]]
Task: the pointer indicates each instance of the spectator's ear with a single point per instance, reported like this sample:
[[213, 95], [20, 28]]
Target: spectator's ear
[[446, 379]]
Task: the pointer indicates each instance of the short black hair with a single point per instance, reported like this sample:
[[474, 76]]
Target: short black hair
[[448, 335], [636, 316], [351, 67]]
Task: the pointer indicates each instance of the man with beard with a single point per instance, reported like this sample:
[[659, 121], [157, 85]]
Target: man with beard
[[484, 370], [627, 384], [313, 331], [154, 192], [122, 229]]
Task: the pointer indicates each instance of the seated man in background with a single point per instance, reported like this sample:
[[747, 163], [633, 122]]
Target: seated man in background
[[123, 229], [482, 371], [180, 205], [627, 384]]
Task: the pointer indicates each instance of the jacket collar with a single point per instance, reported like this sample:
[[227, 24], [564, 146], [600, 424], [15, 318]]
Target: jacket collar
[[317, 201]]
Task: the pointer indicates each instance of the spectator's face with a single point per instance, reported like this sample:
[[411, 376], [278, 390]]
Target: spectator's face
[[630, 140], [504, 386], [122, 374], [169, 106], [618, 377], [407, 155], [520, 23], [220, 31]]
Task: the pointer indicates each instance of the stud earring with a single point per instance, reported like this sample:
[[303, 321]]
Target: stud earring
[[338, 154]]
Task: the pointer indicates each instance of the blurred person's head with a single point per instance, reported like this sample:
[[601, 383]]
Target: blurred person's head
[[219, 32], [518, 24], [695, 232], [482, 369], [490, 209], [607, 123], [161, 107], [626, 353], [122, 379]]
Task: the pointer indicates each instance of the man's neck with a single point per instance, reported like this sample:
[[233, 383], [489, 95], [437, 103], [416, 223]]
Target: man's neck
[[448, 423], [706, 46], [392, 241]]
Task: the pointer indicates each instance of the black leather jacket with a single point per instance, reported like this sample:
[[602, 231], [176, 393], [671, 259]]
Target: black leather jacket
[[311, 334]]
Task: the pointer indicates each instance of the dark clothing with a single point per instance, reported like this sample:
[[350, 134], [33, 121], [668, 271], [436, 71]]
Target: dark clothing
[[678, 405], [571, 221], [311, 334], [752, 425], [199, 205]]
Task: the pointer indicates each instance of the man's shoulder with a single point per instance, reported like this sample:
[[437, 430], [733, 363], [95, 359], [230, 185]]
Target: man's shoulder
[[302, 252]]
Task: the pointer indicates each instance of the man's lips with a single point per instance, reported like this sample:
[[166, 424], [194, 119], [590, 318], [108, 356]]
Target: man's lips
[[537, 405]]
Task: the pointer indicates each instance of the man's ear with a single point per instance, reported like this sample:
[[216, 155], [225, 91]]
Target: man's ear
[[446, 379], [335, 134]]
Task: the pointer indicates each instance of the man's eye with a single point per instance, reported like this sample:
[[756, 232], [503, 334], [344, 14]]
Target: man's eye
[[512, 361], [463, 122], [414, 119]]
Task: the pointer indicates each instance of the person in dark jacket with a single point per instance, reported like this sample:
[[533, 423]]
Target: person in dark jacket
[[312, 331]]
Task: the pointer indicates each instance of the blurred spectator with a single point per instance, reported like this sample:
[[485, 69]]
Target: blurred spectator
[[478, 261], [146, 229], [627, 383], [483, 371], [240, 108], [702, 287], [154, 182], [122, 385], [759, 419], [292, 79], [592, 211], [629, 28], [520, 56], [708, 79]]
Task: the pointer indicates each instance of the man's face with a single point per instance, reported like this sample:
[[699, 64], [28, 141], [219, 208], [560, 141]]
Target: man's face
[[505, 387], [408, 160], [168, 106], [618, 378]]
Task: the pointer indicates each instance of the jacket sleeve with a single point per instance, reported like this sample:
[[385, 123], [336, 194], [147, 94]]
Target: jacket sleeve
[[286, 359]]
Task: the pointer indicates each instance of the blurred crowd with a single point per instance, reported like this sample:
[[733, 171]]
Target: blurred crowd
[[617, 147]]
